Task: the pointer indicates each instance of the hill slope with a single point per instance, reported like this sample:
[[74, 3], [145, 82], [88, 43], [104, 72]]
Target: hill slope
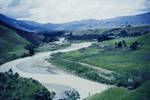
[[141, 93], [14, 87], [135, 20], [28, 26], [131, 65], [11, 44]]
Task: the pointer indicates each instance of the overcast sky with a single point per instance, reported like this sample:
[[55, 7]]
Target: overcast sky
[[60, 11]]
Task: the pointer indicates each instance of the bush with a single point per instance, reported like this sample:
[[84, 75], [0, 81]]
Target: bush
[[43, 95], [14, 87], [134, 46], [121, 44], [71, 95]]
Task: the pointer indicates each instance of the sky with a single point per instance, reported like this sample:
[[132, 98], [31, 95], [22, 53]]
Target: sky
[[61, 11]]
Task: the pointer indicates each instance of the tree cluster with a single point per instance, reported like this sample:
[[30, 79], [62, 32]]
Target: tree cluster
[[134, 45], [71, 95], [123, 44]]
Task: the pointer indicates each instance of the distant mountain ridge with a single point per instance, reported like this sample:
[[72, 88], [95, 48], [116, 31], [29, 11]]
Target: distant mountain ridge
[[29, 26], [135, 20]]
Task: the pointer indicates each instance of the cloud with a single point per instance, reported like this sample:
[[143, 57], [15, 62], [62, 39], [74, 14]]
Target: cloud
[[4, 3], [15, 3], [16, 8], [59, 11], [146, 6]]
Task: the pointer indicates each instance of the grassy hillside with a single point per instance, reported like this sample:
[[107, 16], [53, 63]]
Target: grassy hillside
[[14, 87], [120, 59], [115, 33], [130, 67], [110, 94], [141, 93], [129, 30], [11, 44]]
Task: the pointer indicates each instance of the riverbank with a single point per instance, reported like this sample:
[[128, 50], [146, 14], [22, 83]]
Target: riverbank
[[37, 68]]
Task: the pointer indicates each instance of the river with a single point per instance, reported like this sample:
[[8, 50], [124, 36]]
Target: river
[[51, 77]]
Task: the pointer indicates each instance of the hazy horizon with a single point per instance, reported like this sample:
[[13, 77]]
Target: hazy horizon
[[56, 11]]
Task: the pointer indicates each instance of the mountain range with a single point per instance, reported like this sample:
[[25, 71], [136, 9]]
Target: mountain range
[[30, 26]]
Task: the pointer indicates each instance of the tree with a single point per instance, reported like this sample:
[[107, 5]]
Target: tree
[[116, 45], [134, 46], [10, 72], [120, 44], [71, 95], [16, 75], [44, 95], [124, 44]]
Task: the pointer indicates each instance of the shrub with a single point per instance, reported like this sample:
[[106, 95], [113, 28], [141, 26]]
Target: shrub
[[134, 46], [13, 87], [71, 95], [120, 44]]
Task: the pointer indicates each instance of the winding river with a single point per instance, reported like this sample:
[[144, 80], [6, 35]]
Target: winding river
[[51, 77]]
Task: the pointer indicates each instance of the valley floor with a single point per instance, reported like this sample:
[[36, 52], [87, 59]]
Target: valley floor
[[51, 77], [108, 62]]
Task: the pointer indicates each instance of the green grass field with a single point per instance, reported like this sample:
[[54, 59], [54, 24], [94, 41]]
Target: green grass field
[[131, 66], [105, 55], [141, 93]]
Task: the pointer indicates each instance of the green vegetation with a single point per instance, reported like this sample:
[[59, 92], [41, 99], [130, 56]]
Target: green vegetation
[[127, 56], [80, 70], [141, 93], [107, 34], [110, 94], [130, 66], [119, 59], [89, 31], [11, 44], [71, 95], [137, 29], [14, 87]]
